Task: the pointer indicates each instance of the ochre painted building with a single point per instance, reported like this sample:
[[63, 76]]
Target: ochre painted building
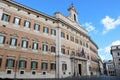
[[36, 45]]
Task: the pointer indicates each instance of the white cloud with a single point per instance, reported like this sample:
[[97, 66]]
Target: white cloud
[[89, 27], [116, 42], [107, 48], [102, 52], [110, 23]]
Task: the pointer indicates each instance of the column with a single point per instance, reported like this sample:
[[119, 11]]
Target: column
[[58, 51]]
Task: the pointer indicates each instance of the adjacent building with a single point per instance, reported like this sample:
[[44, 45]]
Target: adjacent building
[[109, 68], [115, 52], [36, 45]]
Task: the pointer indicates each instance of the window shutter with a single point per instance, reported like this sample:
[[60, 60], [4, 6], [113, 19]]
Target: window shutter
[[4, 39], [0, 61], [27, 44], [46, 47], [22, 43], [13, 63], [15, 42], [19, 63], [33, 45], [37, 45], [36, 65], [6, 62], [10, 41], [31, 64], [25, 64], [47, 30]]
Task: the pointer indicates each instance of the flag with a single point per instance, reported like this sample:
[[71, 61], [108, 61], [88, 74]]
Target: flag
[[82, 52]]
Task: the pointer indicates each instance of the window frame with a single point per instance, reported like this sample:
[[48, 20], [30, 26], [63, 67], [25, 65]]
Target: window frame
[[17, 23], [27, 25], [5, 19], [12, 42], [37, 28], [3, 39]]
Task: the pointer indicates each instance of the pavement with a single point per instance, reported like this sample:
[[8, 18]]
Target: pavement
[[78, 78]]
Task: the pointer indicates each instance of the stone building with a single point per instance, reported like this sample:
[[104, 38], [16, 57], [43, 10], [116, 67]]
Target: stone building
[[36, 45], [115, 51], [109, 68]]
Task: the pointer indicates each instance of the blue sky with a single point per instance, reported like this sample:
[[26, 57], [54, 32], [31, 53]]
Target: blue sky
[[100, 17]]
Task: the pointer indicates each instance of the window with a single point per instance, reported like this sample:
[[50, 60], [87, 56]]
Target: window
[[27, 24], [9, 71], [10, 63], [62, 34], [72, 39], [5, 17], [21, 72], [87, 45], [17, 21], [63, 50], [45, 47], [118, 53], [68, 51], [35, 46], [64, 66], [73, 53], [44, 66], [34, 65], [53, 32], [22, 64], [80, 42], [74, 17], [119, 60], [13, 41], [76, 40], [52, 66], [45, 29], [67, 37], [24, 43], [36, 27], [0, 61], [53, 49], [2, 39]]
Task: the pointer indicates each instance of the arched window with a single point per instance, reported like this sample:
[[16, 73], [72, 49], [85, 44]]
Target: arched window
[[74, 17]]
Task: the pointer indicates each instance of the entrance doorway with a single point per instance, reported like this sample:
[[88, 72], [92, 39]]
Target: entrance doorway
[[79, 66]]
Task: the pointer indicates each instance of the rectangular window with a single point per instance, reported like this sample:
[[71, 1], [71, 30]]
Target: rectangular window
[[24, 43], [2, 39], [27, 24], [6, 17], [62, 34], [45, 47], [64, 67], [36, 27], [10, 63], [44, 66], [72, 39], [17, 21], [35, 46], [45, 29], [76, 40], [52, 66], [62, 50], [68, 51], [67, 37], [53, 32], [34, 65], [22, 64], [13, 41], [53, 49]]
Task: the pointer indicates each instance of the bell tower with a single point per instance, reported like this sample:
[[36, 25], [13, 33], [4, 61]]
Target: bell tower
[[73, 14]]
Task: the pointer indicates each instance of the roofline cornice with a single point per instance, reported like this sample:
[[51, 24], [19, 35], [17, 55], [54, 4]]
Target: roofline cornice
[[23, 7]]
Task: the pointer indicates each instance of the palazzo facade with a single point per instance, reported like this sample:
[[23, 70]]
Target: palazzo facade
[[36, 45]]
